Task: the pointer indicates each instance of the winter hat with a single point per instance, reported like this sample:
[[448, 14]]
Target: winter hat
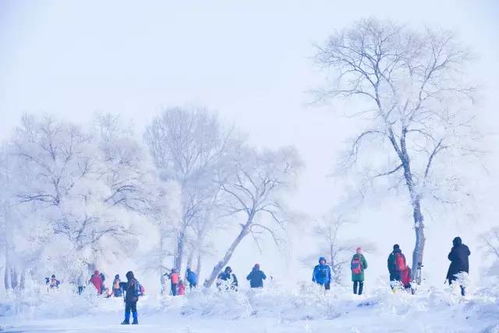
[[359, 249], [457, 241], [396, 247], [96, 272], [117, 276], [228, 269], [129, 275], [322, 258], [53, 276], [257, 266]]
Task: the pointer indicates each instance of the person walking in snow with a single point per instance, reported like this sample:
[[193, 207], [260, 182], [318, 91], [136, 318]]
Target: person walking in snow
[[174, 277], [322, 274], [400, 273], [96, 280], [358, 265], [227, 280], [192, 278], [133, 290], [256, 277], [458, 257], [117, 291]]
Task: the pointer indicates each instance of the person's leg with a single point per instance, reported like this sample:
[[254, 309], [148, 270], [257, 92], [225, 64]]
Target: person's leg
[[361, 287], [355, 284], [127, 314], [174, 289], [327, 285], [134, 313], [463, 291]]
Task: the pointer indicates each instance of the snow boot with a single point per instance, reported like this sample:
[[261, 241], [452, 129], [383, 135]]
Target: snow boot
[[135, 318], [125, 322]]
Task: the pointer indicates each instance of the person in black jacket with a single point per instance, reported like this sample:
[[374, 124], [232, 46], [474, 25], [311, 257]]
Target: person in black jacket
[[392, 263], [256, 277], [132, 290], [459, 261]]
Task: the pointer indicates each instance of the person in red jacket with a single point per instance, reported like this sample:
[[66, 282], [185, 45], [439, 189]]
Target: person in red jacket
[[96, 280], [181, 288]]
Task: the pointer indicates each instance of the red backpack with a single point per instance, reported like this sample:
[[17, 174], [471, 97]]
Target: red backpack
[[400, 264], [356, 265]]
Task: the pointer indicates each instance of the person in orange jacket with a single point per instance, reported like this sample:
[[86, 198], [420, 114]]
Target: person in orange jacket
[[174, 277]]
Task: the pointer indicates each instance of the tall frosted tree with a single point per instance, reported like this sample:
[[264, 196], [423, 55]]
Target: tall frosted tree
[[416, 98]]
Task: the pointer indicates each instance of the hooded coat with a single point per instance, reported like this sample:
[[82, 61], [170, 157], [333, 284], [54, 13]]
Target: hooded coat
[[459, 259], [256, 277], [322, 273]]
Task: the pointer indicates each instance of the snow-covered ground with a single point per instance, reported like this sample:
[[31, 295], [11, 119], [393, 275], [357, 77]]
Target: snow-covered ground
[[305, 309]]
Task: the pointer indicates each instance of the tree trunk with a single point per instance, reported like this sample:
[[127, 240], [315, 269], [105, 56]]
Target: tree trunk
[[218, 267], [179, 253], [198, 264], [417, 254]]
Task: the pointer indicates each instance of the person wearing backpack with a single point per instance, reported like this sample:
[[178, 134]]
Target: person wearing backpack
[[459, 261], [358, 265], [133, 290], [117, 291], [322, 274], [396, 265]]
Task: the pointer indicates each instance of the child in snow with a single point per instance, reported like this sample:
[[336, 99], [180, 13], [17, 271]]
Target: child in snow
[[133, 290], [117, 291], [227, 280], [322, 274], [358, 265], [181, 288], [256, 277]]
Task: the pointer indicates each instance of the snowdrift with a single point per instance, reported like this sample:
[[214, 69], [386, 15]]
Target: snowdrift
[[430, 310]]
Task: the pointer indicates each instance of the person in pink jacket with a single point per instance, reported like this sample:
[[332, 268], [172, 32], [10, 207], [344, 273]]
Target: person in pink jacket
[[96, 280]]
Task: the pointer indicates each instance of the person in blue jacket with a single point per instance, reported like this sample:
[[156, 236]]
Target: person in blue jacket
[[256, 277], [322, 274], [192, 278]]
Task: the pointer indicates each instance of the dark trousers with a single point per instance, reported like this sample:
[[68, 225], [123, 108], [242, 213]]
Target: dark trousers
[[326, 285], [174, 289], [192, 285], [80, 289], [358, 286], [131, 307]]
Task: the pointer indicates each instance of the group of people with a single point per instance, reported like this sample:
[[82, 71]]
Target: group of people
[[177, 285], [97, 280], [400, 273], [227, 280]]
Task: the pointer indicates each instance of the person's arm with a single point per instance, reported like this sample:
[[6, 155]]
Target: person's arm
[[313, 274], [249, 276], [235, 279], [451, 255], [364, 262], [264, 276], [468, 251], [329, 273], [388, 263]]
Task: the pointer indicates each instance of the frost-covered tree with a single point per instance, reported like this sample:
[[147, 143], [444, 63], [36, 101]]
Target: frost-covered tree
[[252, 183], [186, 145], [415, 95], [74, 198]]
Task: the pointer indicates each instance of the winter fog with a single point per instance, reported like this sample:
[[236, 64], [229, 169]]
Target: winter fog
[[158, 136]]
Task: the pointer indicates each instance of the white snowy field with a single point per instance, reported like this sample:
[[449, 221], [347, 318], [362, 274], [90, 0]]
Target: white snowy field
[[305, 309]]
